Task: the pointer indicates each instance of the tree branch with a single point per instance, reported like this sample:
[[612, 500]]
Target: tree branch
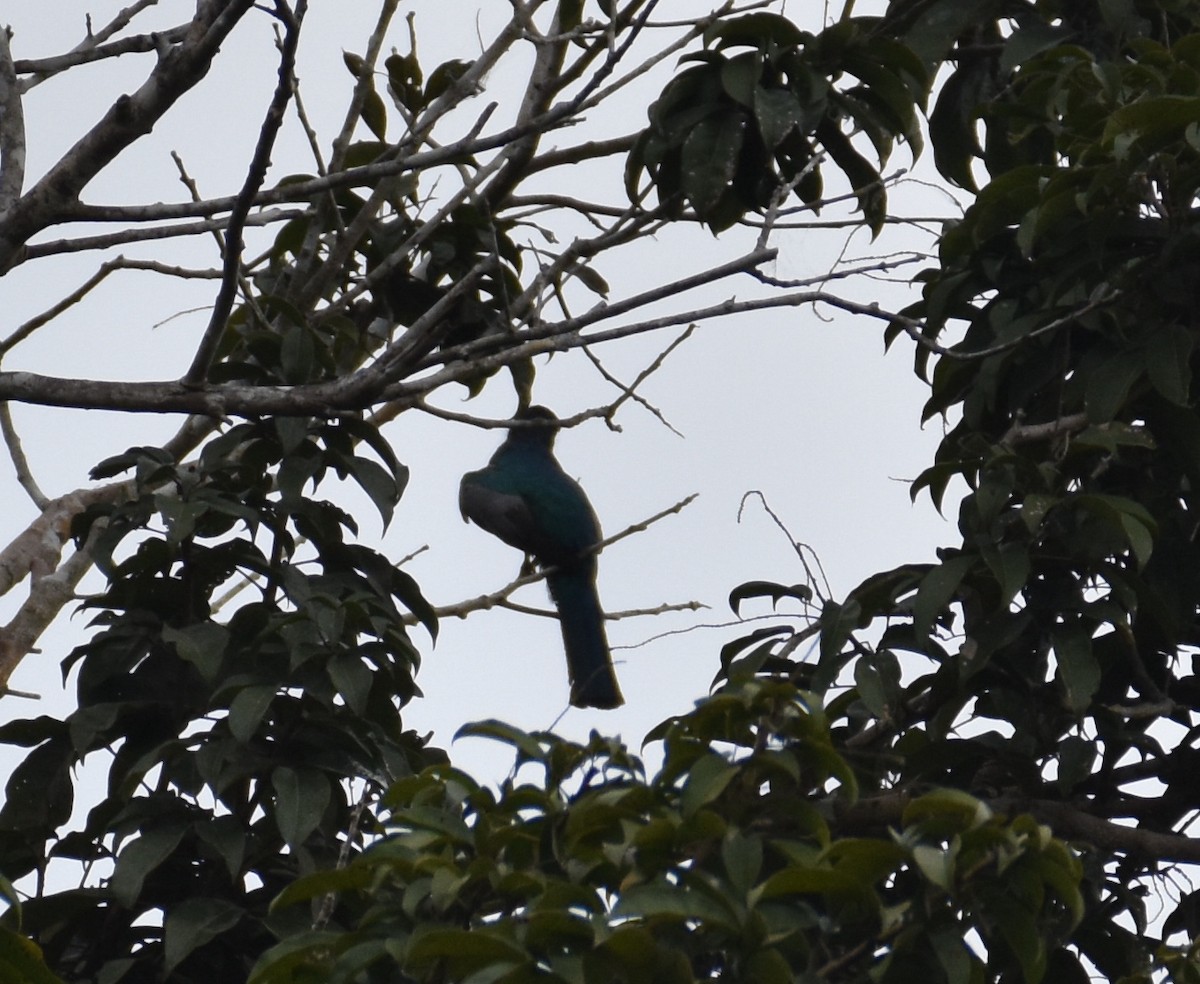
[[255, 175], [127, 120], [12, 130], [1067, 821]]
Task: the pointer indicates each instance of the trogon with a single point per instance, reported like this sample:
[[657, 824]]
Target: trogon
[[525, 498]]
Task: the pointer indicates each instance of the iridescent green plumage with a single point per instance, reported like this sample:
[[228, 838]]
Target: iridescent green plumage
[[525, 498]]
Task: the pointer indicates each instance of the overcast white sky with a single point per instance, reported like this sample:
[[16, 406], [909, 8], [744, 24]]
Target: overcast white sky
[[799, 404]]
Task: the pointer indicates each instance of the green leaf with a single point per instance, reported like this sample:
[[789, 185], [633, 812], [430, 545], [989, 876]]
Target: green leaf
[[1077, 666], [353, 680], [443, 77], [952, 953], [526, 743], [1129, 517], [465, 952], [754, 29], [298, 958], [742, 856], [140, 857], [191, 924], [1020, 932], [1010, 565], [947, 811], [710, 158], [1076, 757], [669, 899], [932, 32], [1151, 120], [227, 837], [355, 63], [303, 465], [321, 883], [937, 864], [865, 180], [952, 128], [1028, 40], [591, 278], [877, 681], [10, 896], [374, 113], [301, 797], [405, 587], [1168, 362], [937, 590], [769, 966], [797, 880], [778, 112], [706, 780], [379, 485], [297, 354], [21, 960], [247, 709], [202, 644], [837, 622], [1107, 386], [739, 77], [767, 589]]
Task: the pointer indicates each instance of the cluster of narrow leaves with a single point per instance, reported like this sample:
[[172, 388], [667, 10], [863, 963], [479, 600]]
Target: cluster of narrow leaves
[[220, 733], [726, 865], [759, 113], [1059, 338]]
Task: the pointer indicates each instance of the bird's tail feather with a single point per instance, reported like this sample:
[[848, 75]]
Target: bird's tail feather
[[589, 664]]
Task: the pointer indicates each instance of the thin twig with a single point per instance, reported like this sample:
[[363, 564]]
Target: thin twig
[[255, 175], [12, 129], [20, 463], [500, 597]]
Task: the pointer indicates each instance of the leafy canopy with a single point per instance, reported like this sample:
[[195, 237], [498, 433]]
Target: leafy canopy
[[939, 776]]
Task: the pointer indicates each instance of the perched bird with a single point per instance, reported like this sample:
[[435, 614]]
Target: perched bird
[[525, 498]]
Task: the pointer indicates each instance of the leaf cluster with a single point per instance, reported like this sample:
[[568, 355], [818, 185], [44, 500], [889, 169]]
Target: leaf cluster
[[734, 130], [892, 803], [226, 730], [727, 864]]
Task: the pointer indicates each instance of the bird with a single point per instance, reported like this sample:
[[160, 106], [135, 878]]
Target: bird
[[525, 498]]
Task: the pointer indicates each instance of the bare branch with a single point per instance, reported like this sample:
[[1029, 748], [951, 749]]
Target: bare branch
[[12, 130], [129, 118], [1066, 820], [255, 175], [500, 597], [630, 392], [47, 597], [43, 68], [126, 236], [20, 464]]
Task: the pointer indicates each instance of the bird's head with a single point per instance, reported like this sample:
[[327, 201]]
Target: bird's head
[[541, 426]]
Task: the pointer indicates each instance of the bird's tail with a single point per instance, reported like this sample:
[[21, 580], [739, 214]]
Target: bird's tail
[[589, 664]]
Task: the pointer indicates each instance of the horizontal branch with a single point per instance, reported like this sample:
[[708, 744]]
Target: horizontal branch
[[500, 597], [368, 386], [1066, 820], [147, 234], [135, 44]]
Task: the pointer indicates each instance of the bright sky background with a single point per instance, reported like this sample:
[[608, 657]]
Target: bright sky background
[[801, 405]]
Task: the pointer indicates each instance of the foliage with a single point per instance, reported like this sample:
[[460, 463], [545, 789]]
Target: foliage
[[939, 791], [732, 132], [720, 866], [230, 738]]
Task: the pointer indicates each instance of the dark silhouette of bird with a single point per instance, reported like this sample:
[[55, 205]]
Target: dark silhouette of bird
[[525, 498]]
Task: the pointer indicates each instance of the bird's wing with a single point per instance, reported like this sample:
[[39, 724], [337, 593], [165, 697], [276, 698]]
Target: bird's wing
[[531, 504], [503, 514]]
